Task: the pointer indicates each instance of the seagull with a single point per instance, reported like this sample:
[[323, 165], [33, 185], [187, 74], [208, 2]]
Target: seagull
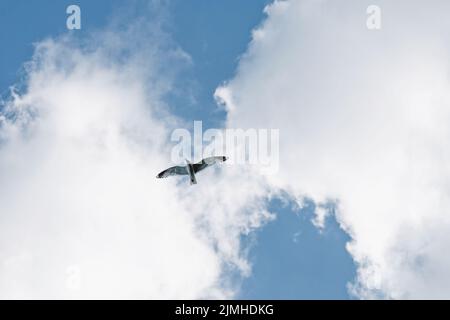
[[191, 168]]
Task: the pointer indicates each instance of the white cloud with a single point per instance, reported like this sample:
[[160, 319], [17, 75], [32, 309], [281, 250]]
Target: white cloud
[[82, 215], [363, 118]]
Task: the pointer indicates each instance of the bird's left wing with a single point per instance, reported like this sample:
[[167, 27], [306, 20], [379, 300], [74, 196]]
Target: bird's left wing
[[208, 162], [173, 171]]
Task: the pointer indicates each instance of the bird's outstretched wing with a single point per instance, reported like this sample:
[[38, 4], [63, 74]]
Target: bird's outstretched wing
[[173, 171], [208, 162]]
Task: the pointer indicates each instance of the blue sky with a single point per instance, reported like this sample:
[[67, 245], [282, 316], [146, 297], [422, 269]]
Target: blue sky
[[291, 258]]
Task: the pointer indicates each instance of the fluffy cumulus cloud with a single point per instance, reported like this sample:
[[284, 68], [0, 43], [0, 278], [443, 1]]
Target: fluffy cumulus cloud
[[82, 215], [364, 121]]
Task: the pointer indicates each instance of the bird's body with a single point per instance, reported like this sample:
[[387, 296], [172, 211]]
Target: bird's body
[[191, 172], [191, 168]]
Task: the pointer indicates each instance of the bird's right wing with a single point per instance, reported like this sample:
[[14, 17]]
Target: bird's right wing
[[173, 171], [205, 163]]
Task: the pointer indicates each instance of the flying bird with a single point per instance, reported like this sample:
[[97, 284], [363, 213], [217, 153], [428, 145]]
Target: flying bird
[[191, 168]]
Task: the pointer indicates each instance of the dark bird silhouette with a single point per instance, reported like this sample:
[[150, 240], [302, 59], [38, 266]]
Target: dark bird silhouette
[[191, 168]]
